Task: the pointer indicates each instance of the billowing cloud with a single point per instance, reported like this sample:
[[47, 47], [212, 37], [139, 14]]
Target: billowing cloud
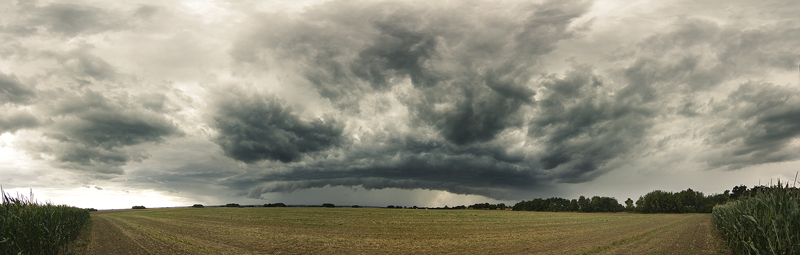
[[12, 91], [74, 19], [254, 127], [471, 65], [504, 100], [88, 131], [759, 123]]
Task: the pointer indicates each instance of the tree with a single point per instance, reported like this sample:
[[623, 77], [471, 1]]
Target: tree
[[738, 192], [629, 205], [583, 204]]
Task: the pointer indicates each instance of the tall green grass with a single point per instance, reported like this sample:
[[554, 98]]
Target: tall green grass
[[768, 223], [27, 227]]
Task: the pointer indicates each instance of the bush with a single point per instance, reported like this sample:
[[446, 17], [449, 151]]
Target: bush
[[197, 206], [328, 205], [27, 227], [275, 205], [91, 209], [232, 205], [356, 206], [765, 223], [138, 207]]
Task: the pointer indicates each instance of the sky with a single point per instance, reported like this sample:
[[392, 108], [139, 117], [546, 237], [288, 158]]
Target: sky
[[110, 104]]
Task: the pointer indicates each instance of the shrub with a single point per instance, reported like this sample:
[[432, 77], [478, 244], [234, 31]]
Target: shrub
[[275, 205], [328, 205], [138, 207], [27, 227], [197, 206], [232, 205], [765, 223]]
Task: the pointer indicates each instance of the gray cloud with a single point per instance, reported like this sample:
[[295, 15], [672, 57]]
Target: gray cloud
[[759, 122], [408, 164], [469, 97], [83, 65], [582, 127], [453, 60], [472, 85], [12, 91], [253, 127], [72, 19], [11, 121], [87, 130]]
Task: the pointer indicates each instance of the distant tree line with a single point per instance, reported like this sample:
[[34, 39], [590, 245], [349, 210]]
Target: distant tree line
[[582, 204], [687, 201], [488, 206], [275, 205]]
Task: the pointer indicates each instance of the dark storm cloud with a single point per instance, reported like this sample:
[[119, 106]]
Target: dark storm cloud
[[478, 63], [760, 121], [581, 126], [87, 130], [253, 127], [12, 91], [407, 164], [474, 75]]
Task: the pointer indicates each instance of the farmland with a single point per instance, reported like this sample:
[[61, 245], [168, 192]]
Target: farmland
[[373, 230]]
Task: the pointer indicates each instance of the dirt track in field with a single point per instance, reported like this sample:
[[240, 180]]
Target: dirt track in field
[[396, 231]]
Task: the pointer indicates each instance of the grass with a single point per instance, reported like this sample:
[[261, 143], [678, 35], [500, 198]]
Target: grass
[[373, 230], [28, 227], [767, 223]]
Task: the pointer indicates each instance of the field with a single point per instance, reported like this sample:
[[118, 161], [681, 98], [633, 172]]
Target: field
[[373, 230]]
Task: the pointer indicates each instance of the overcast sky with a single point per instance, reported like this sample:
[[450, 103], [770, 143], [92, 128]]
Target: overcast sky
[[109, 104]]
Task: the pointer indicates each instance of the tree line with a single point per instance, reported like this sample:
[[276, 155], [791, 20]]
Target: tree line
[[658, 201], [582, 204]]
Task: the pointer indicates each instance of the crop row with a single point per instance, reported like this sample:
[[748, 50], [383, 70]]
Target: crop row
[[28, 227], [766, 223]]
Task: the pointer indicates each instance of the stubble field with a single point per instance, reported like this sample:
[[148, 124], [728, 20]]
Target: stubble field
[[399, 231]]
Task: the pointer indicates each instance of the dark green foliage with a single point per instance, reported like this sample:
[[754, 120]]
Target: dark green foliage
[[328, 205], [485, 206], [27, 227], [91, 209], [687, 201], [629, 205], [275, 205], [557, 204], [765, 221], [355, 206], [232, 205], [138, 207], [197, 206]]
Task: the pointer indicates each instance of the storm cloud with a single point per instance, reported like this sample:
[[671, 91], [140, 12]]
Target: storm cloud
[[506, 100], [253, 127]]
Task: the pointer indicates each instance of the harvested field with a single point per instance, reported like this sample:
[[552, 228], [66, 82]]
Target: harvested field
[[372, 230]]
